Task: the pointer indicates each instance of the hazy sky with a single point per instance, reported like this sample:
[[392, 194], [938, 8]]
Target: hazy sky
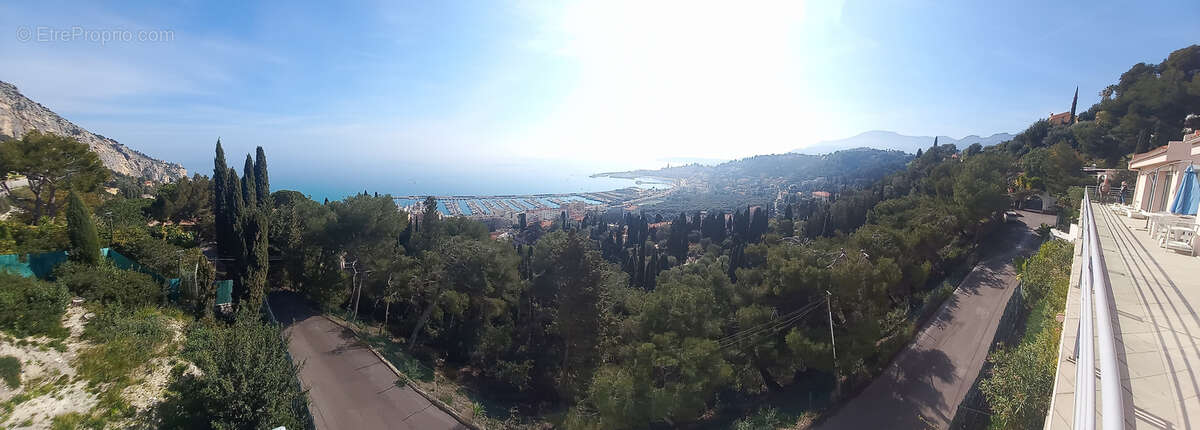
[[391, 83]]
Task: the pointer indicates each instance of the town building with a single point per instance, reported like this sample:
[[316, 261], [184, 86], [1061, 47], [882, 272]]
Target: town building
[[1160, 172]]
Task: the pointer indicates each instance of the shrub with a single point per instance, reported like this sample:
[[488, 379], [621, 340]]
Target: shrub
[[1019, 385], [106, 283], [17, 237], [764, 419], [246, 379], [155, 254], [10, 371], [29, 306]]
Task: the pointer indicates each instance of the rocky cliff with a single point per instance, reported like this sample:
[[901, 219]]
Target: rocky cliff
[[19, 114]]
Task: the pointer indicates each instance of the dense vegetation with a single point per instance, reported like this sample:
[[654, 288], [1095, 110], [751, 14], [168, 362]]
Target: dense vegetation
[[758, 179], [31, 307], [245, 380], [1021, 380], [235, 371], [609, 321]]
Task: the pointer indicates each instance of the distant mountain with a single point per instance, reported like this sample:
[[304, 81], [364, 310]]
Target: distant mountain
[[19, 114], [881, 139]]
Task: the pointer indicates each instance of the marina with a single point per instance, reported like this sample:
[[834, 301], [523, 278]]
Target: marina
[[535, 206]]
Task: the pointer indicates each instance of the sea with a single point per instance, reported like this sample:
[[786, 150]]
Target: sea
[[453, 179]]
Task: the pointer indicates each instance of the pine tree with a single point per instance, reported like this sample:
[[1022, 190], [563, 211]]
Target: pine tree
[[261, 184], [249, 183], [85, 243]]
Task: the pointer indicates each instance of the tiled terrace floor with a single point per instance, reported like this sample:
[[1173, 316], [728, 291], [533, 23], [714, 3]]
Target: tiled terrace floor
[[1156, 293]]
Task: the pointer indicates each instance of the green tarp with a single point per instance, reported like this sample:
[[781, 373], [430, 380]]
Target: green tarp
[[124, 263], [224, 292], [35, 265], [42, 265]]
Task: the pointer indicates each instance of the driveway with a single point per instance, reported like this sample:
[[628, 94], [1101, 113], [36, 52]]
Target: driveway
[[925, 383], [349, 387]]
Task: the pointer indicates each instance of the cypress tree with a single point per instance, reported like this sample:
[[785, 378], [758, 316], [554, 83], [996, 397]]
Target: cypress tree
[[261, 184], [235, 207], [220, 211], [254, 280], [85, 243], [1074, 102], [249, 182], [206, 294]]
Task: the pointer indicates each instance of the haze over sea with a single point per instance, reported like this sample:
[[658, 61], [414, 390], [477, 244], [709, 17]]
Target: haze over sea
[[501, 177]]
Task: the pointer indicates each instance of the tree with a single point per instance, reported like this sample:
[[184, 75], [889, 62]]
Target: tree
[[249, 184], [255, 231], [85, 243], [51, 163], [220, 203], [246, 380], [973, 149], [235, 244], [206, 289], [671, 366], [261, 183], [184, 200]]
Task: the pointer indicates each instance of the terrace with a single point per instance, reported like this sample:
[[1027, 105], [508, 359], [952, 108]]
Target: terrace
[[1150, 295]]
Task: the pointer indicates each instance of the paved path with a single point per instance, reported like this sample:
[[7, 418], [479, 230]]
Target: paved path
[[923, 386], [349, 388]]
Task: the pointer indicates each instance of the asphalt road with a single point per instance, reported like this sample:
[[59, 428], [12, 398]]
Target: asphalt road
[[349, 387], [925, 383]]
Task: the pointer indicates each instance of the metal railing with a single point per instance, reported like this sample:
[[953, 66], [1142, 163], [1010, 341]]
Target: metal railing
[[1095, 335]]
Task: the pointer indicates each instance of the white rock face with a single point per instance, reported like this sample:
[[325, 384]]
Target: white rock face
[[19, 114]]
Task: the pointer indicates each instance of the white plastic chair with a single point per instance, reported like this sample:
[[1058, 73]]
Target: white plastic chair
[[1180, 238]]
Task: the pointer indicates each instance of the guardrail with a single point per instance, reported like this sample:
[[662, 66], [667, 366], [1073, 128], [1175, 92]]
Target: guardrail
[[1095, 335]]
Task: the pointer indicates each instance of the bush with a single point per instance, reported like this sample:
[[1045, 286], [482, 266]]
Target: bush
[[17, 237], [155, 254], [246, 379], [1019, 385], [10, 371], [29, 306], [106, 283], [764, 419]]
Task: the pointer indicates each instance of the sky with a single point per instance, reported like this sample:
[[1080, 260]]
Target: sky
[[395, 89]]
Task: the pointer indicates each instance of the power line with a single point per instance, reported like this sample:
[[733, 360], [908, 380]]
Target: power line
[[770, 327]]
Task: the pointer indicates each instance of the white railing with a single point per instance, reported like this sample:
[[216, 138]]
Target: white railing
[[1095, 334]]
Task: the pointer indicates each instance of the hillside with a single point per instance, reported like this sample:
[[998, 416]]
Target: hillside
[[881, 139], [19, 114], [759, 179]]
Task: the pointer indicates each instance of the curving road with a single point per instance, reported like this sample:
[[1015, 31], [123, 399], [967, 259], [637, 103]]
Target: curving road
[[925, 383], [349, 388]]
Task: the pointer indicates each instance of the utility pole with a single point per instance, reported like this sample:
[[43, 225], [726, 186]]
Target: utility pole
[[837, 380]]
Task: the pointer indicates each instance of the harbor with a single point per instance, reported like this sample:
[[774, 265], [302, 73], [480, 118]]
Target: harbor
[[535, 206]]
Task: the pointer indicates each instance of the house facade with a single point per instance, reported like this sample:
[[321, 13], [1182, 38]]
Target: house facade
[[1160, 172]]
